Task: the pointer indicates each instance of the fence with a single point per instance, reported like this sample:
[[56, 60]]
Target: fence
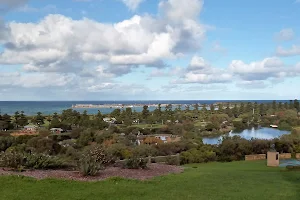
[[255, 157], [285, 156]]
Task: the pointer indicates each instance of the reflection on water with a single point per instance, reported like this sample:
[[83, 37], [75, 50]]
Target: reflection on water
[[259, 133]]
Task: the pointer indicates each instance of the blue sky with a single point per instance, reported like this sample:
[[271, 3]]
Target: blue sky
[[149, 49]]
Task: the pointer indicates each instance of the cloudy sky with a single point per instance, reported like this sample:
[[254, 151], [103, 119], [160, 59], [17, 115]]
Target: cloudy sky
[[149, 49]]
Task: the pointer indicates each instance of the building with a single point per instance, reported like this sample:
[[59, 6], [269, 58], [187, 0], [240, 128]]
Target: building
[[110, 120], [157, 139], [56, 130], [30, 128]]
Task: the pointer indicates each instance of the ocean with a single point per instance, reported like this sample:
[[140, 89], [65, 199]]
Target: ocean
[[50, 107]]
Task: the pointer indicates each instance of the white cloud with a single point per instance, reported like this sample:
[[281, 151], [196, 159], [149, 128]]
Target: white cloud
[[132, 4], [60, 44], [178, 10], [285, 35], [200, 71], [293, 51], [261, 70]]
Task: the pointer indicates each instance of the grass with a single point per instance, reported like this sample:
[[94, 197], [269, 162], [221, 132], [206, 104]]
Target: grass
[[213, 181]]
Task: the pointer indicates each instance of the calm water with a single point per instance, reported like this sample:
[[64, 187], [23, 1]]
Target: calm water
[[50, 107], [259, 133], [293, 162]]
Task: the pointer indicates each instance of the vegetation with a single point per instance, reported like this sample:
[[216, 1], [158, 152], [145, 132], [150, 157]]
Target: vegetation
[[215, 181], [90, 142]]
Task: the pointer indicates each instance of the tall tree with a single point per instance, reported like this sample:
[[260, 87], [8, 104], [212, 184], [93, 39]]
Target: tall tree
[[39, 119], [145, 112], [17, 117], [23, 121]]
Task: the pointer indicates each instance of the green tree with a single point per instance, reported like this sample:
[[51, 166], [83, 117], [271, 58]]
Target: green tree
[[39, 119], [55, 122], [17, 117], [145, 112], [23, 121]]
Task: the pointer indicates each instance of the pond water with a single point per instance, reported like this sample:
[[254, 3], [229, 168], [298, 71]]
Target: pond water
[[293, 162], [259, 133]]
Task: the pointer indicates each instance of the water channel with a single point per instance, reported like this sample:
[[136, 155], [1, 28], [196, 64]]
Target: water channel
[[258, 133]]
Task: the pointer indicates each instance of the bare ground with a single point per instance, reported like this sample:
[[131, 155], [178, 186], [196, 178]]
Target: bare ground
[[139, 174]]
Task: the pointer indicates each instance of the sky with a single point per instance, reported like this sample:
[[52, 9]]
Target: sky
[[149, 50]]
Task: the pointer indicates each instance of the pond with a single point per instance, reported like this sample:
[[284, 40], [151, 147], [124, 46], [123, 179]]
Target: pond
[[259, 133], [292, 162]]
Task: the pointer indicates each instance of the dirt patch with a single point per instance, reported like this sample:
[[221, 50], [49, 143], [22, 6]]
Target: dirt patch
[[139, 174]]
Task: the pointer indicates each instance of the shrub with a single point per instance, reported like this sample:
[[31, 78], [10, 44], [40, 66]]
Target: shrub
[[136, 163], [12, 159], [173, 160], [197, 156], [42, 161], [92, 161]]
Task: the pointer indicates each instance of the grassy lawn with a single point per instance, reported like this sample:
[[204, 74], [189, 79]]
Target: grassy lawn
[[237, 180]]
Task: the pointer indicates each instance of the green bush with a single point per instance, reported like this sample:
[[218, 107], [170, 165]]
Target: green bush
[[92, 161], [172, 160], [42, 161], [12, 159], [197, 156], [136, 163]]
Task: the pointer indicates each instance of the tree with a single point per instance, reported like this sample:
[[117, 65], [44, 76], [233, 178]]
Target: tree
[[23, 121], [242, 108], [145, 112], [7, 122], [55, 123], [39, 119], [17, 117]]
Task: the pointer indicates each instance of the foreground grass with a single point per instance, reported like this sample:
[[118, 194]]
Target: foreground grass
[[237, 180]]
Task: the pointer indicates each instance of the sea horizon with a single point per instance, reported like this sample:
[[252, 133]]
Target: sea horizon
[[50, 107]]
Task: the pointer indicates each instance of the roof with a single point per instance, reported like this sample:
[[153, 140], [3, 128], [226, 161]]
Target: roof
[[56, 129]]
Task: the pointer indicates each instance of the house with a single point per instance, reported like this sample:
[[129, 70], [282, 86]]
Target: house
[[30, 128], [110, 120], [157, 139], [56, 130], [136, 121]]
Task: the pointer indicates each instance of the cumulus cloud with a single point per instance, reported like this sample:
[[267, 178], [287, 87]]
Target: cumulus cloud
[[261, 70], [285, 35], [61, 44], [293, 51], [132, 4], [200, 71]]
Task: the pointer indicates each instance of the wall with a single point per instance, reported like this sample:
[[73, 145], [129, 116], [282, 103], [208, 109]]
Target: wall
[[255, 157], [297, 155], [285, 156]]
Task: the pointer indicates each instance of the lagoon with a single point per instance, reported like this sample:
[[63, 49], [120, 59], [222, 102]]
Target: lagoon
[[258, 133]]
